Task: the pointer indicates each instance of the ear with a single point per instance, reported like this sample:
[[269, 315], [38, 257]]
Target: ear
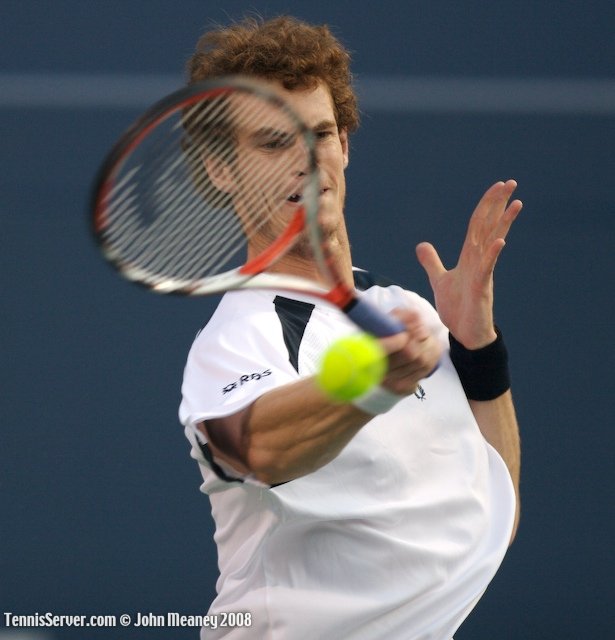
[[345, 146], [219, 173]]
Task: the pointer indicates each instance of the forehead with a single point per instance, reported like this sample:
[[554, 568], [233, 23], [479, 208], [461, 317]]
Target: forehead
[[311, 105]]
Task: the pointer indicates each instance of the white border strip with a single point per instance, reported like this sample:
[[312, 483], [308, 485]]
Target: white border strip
[[484, 95], [77, 91], [377, 94]]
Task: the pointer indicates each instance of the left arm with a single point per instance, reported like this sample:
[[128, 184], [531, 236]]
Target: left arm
[[498, 424], [464, 301]]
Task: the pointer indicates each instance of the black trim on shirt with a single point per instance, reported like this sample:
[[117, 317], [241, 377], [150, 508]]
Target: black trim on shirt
[[294, 316], [216, 468], [219, 471], [363, 280]]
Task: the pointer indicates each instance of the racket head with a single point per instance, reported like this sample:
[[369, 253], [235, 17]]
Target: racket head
[[209, 188]]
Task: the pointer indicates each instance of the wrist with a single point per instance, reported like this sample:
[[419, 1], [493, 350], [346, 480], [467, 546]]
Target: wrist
[[483, 372], [478, 341]]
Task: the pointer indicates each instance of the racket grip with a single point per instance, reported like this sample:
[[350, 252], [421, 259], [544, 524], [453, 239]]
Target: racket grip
[[370, 319]]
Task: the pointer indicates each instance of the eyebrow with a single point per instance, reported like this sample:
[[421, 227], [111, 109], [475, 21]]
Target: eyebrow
[[325, 124], [265, 131]]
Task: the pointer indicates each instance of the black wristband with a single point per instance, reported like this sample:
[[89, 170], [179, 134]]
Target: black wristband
[[483, 373]]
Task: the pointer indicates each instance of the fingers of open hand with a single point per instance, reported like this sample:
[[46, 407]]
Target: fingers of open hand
[[430, 261], [489, 226], [493, 216]]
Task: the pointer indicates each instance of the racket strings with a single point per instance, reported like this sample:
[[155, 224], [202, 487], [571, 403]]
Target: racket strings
[[170, 210], [217, 228], [209, 238]]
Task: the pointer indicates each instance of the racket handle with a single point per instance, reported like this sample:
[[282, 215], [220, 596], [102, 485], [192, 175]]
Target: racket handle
[[366, 316]]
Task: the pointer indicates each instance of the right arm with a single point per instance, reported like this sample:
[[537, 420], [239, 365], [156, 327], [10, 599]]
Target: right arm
[[295, 429]]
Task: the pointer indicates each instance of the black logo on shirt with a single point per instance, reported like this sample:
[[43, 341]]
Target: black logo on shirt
[[420, 393], [245, 378]]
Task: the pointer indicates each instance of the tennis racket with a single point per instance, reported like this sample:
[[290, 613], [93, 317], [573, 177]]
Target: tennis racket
[[209, 189]]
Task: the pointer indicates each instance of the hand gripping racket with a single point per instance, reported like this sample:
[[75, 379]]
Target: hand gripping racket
[[209, 188]]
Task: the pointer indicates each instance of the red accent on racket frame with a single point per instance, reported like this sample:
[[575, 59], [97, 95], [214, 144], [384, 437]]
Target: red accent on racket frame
[[276, 249]]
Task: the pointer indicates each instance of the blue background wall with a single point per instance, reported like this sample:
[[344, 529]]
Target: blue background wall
[[100, 510]]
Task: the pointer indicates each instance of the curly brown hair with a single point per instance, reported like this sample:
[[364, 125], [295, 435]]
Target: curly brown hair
[[284, 49]]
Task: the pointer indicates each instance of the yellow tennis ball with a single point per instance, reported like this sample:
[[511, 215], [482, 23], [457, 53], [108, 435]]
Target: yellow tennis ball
[[351, 366]]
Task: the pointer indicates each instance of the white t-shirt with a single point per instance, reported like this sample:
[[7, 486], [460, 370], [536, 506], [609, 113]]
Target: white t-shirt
[[395, 539]]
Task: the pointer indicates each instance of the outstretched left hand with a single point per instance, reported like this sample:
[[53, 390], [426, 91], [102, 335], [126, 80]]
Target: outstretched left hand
[[464, 294]]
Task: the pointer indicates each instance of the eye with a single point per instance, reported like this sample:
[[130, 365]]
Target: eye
[[277, 142]]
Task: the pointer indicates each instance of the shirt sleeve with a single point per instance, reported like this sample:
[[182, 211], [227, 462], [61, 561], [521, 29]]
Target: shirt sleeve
[[229, 367], [231, 363]]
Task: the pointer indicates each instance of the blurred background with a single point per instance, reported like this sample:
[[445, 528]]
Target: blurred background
[[100, 505]]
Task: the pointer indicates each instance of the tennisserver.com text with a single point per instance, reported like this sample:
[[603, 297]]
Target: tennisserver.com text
[[171, 619]]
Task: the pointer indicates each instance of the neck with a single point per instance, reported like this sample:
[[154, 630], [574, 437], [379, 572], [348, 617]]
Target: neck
[[299, 261], [299, 265]]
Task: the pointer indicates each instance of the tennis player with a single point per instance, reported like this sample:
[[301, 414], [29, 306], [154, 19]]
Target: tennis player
[[381, 519]]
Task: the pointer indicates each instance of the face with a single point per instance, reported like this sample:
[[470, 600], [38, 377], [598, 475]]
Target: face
[[315, 107], [266, 174]]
